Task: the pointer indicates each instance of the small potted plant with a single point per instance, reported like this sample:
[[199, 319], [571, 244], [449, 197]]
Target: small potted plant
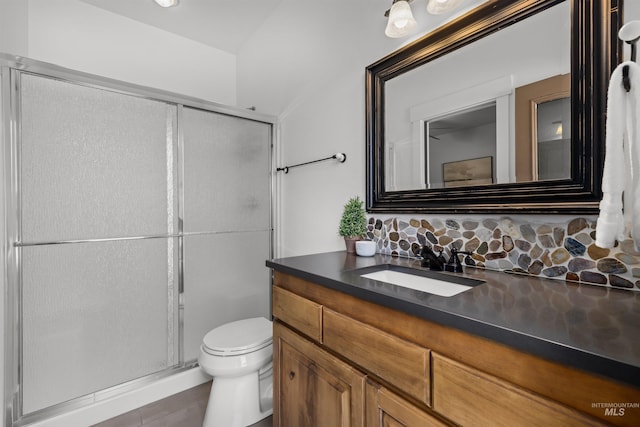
[[353, 224]]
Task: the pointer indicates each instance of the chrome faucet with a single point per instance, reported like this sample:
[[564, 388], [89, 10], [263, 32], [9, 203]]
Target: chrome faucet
[[431, 260]]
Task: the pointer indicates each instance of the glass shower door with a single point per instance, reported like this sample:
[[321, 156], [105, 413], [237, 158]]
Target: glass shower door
[[97, 245], [227, 193]]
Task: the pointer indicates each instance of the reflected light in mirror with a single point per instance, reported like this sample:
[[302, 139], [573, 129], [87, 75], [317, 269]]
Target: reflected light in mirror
[[558, 129]]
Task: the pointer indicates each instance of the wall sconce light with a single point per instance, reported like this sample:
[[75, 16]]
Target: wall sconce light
[[167, 3], [401, 20]]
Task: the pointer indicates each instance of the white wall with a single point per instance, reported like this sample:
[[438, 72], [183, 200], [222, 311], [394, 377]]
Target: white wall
[[631, 13], [13, 27], [306, 64], [82, 37]]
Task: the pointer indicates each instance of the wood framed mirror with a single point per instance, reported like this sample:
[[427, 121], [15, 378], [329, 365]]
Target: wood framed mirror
[[435, 94]]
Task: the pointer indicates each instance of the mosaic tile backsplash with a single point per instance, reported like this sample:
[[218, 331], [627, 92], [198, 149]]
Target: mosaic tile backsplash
[[561, 251]]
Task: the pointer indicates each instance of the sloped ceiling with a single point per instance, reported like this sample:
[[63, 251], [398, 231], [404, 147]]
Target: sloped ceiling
[[222, 24]]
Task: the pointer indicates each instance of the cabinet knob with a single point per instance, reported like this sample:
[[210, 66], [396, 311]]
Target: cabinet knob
[[292, 375]]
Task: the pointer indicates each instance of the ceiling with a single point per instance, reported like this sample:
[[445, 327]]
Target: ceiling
[[222, 24]]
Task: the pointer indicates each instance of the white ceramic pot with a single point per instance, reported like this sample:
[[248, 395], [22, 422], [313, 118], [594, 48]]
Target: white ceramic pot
[[366, 248]]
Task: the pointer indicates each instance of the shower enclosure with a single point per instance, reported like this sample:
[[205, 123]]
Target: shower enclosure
[[135, 221]]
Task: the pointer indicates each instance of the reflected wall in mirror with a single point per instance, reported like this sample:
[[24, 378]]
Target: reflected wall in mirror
[[501, 82]]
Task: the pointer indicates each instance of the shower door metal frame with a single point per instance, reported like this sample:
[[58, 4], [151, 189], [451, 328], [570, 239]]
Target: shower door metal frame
[[11, 69]]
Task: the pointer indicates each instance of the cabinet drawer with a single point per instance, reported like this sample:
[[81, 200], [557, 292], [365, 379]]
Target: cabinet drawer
[[298, 312], [472, 398], [398, 362]]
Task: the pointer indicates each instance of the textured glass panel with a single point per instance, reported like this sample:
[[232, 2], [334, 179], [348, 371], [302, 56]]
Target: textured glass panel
[[94, 163], [226, 172], [225, 279], [95, 315]]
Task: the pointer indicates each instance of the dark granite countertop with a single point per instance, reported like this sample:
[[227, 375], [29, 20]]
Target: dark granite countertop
[[589, 327]]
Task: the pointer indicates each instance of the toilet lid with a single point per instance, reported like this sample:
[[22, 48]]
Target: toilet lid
[[242, 336]]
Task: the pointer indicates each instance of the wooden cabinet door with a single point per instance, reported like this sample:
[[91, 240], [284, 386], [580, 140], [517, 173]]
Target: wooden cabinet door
[[313, 388], [386, 409]]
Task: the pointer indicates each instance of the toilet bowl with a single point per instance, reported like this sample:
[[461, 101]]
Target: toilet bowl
[[239, 357]]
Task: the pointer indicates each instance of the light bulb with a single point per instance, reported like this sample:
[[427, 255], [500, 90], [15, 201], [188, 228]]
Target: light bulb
[[401, 23], [166, 3], [401, 20]]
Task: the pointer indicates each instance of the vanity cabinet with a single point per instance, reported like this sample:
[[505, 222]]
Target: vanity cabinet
[[360, 362]]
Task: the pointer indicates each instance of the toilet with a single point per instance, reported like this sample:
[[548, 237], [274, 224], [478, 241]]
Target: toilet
[[239, 357]]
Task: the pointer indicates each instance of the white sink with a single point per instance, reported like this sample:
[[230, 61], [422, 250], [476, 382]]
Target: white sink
[[430, 285]]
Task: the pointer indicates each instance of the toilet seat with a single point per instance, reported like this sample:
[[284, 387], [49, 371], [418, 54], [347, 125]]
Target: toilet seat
[[240, 337]]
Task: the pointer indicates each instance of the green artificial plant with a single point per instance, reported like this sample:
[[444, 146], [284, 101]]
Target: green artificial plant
[[354, 220]]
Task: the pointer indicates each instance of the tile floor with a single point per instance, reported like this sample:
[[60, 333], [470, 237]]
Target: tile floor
[[184, 409]]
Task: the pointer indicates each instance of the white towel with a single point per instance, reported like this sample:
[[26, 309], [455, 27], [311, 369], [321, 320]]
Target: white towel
[[621, 163]]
